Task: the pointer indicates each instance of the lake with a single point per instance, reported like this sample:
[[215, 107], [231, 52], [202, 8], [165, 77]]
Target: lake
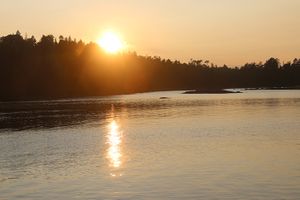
[[184, 146]]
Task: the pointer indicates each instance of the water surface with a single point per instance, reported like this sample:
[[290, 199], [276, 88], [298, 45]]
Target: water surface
[[223, 146]]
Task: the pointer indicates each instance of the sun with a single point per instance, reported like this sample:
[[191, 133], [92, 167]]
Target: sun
[[111, 42]]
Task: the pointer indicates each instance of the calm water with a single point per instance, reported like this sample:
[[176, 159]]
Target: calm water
[[227, 146]]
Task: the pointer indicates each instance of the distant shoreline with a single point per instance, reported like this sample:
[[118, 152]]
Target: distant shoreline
[[275, 88], [227, 91], [210, 91], [191, 91]]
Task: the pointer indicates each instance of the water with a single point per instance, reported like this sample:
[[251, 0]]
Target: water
[[225, 146]]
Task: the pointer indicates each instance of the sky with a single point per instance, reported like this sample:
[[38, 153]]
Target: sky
[[230, 32]]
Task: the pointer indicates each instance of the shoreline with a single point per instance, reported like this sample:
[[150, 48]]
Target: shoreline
[[275, 88], [211, 91], [195, 91]]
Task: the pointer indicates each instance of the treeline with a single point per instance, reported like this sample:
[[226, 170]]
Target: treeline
[[64, 67]]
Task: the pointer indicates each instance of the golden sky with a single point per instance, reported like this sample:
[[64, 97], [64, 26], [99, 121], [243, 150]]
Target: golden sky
[[223, 31]]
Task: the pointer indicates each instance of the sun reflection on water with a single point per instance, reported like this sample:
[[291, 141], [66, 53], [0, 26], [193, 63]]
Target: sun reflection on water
[[114, 142], [114, 139]]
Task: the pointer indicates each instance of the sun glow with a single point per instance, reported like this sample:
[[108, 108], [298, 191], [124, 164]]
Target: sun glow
[[111, 42]]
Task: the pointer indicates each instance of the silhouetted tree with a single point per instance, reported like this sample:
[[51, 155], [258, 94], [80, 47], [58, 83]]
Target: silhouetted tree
[[71, 68]]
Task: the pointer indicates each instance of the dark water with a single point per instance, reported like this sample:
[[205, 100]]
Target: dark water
[[225, 146]]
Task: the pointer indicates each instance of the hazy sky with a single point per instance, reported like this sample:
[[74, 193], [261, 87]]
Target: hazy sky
[[222, 31]]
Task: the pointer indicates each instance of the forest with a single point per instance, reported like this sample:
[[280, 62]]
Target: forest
[[63, 67]]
